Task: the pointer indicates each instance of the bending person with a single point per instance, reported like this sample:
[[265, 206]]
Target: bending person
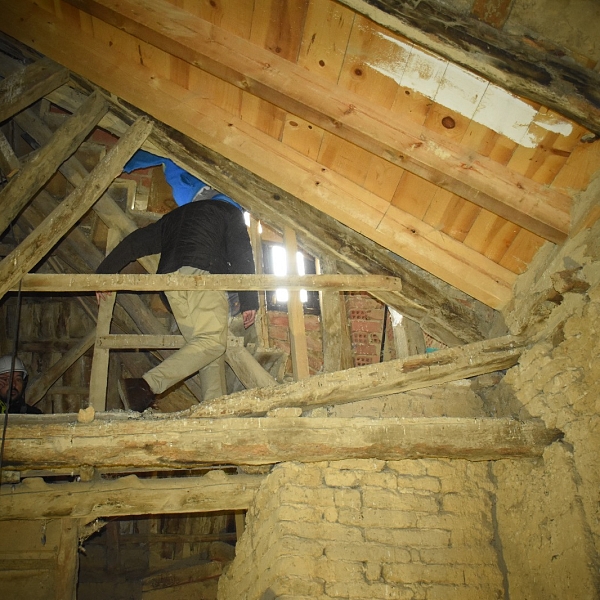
[[14, 377], [204, 236]]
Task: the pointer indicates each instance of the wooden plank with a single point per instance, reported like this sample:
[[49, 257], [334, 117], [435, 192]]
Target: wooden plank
[[343, 113], [261, 323], [408, 336], [370, 381], [44, 162], [38, 282], [504, 58], [39, 243], [295, 310], [183, 576], [28, 85], [216, 491], [303, 180], [187, 443]]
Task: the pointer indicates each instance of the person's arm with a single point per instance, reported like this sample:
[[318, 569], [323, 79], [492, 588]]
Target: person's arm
[[138, 243]]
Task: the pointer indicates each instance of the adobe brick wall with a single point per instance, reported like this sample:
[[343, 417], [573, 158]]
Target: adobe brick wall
[[413, 529]]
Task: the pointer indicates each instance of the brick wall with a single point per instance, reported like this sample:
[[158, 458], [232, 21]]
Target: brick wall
[[369, 529]]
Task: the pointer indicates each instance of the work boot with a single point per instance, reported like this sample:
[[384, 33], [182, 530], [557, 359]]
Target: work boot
[[136, 394]]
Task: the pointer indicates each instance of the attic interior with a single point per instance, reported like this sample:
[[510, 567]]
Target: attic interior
[[423, 424]]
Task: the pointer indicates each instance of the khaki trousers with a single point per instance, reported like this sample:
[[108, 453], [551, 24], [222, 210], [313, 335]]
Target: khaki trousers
[[202, 318]]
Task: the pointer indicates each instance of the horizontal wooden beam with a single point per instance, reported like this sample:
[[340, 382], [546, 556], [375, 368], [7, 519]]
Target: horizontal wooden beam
[[184, 443], [346, 114], [130, 495], [173, 281], [370, 381]]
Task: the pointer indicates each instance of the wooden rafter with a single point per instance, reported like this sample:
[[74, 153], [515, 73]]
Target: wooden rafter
[[28, 85], [348, 115], [197, 118], [510, 60], [39, 243]]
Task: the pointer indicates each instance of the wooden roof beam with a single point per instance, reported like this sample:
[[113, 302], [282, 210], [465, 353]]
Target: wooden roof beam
[[511, 61], [296, 174], [28, 85], [50, 442], [130, 495], [43, 238], [348, 115]]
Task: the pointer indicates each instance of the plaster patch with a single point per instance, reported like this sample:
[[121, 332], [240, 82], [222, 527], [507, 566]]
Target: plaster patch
[[467, 94]]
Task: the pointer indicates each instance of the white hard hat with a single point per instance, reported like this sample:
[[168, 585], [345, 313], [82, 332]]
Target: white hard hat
[[6, 364]]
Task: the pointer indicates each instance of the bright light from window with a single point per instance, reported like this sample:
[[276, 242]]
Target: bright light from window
[[280, 268], [247, 218]]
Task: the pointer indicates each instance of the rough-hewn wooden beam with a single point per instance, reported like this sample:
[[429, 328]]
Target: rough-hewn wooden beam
[[511, 61], [348, 115], [44, 442], [37, 282], [39, 243], [216, 491], [369, 381], [44, 162], [28, 85]]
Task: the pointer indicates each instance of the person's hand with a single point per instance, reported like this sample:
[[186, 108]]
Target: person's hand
[[101, 296], [249, 316]]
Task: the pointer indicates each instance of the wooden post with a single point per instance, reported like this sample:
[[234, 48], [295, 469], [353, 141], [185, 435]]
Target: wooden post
[[261, 323], [337, 347], [408, 336], [67, 560], [99, 374], [295, 312]]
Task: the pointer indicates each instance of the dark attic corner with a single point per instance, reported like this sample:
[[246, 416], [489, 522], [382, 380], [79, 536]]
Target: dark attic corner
[[299, 300]]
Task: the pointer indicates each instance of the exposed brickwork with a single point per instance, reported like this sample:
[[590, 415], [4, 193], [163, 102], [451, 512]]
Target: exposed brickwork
[[414, 530]]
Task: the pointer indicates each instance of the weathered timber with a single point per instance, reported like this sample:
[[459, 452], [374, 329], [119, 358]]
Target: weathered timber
[[9, 163], [67, 560], [35, 499], [28, 85], [369, 381], [41, 442], [44, 162], [298, 345], [38, 282], [510, 60], [40, 386], [443, 311], [39, 243], [348, 115]]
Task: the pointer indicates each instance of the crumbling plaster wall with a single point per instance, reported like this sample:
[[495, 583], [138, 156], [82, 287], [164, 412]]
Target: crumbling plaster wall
[[548, 511]]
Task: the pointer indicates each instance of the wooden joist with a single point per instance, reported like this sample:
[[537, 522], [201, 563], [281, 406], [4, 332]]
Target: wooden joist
[[44, 162], [39, 243], [44, 442], [343, 113], [28, 85], [130, 495], [370, 381], [37, 282]]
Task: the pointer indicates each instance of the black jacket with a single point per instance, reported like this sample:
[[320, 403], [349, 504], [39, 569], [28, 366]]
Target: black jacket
[[209, 235]]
